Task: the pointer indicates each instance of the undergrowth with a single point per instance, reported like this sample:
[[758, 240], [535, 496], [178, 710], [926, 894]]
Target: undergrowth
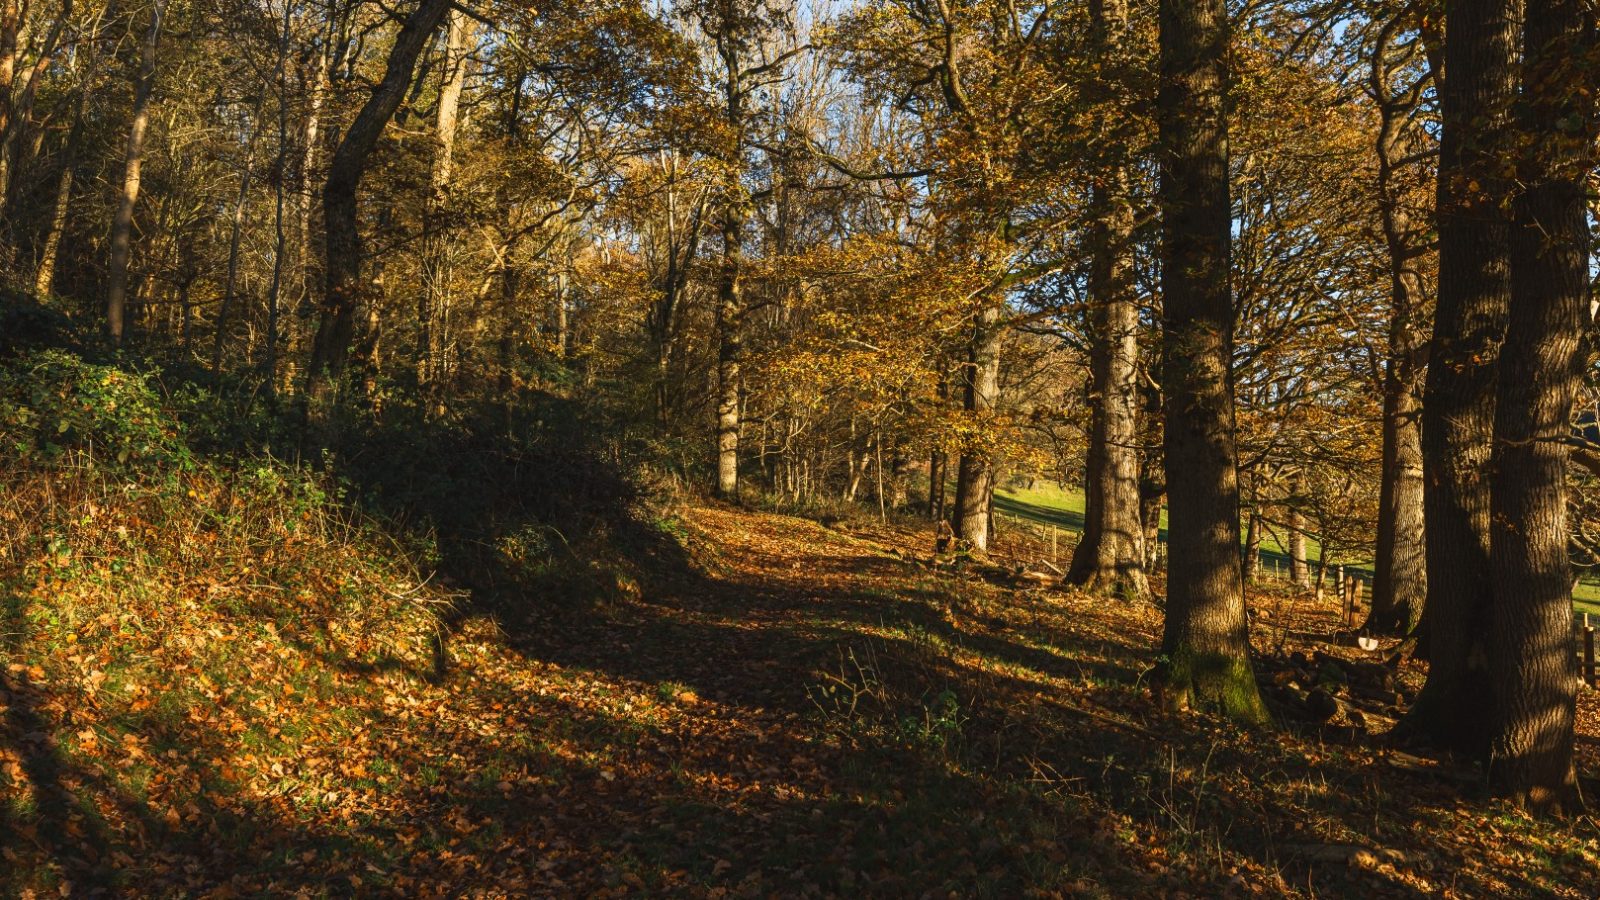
[[195, 625]]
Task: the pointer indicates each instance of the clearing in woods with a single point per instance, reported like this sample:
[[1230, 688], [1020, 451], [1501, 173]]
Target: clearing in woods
[[1045, 504], [789, 709]]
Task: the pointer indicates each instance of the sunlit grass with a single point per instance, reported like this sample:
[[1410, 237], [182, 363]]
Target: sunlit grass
[[1047, 503]]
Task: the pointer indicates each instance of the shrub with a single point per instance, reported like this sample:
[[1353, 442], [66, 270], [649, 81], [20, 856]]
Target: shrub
[[54, 405]]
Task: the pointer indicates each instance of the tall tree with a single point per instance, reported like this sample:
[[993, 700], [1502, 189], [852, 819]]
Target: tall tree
[[121, 240], [20, 80], [980, 389], [1400, 578], [330, 349], [1532, 673], [741, 32], [730, 273], [1205, 640], [83, 70], [436, 269], [1458, 403], [236, 235], [1110, 557]]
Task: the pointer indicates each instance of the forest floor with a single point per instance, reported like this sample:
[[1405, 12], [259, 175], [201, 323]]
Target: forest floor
[[777, 708]]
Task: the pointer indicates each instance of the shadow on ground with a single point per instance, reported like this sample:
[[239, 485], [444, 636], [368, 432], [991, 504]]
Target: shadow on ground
[[656, 704]]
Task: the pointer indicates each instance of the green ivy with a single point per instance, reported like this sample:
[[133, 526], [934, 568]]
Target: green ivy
[[53, 403]]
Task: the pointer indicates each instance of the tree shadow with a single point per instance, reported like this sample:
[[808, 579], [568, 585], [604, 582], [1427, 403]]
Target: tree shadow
[[1044, 515]]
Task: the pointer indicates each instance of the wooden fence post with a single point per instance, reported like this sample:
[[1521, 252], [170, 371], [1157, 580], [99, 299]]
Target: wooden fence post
[[1588, 655]]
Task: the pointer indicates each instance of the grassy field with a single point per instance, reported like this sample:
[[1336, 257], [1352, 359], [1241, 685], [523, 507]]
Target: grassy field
[[1048, 504]]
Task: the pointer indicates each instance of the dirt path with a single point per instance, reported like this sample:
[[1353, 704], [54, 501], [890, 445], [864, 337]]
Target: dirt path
[[846, 719]]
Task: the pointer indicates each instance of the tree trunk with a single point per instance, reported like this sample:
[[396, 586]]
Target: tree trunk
[[682, 248], [310, 142], [1400, 577], [236, 237], [1152, 479], [938, 459], [730, 349], [436, 274], [45, 277], [269, 354], [18, 99], [975, 469], [121, 240], [1532, 671], [1110, 557], [330, 348], [508, 332], [730, 294], [1150, 496], [1299, 570], [899, 478], [1458, 409], [1252, 548], [563, 323], [11, 22], [1205, 641]]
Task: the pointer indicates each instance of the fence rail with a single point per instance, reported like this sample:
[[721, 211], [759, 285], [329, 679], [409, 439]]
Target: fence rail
[[1028, 539]]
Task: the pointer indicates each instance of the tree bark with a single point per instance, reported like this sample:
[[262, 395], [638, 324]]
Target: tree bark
[[730, 349], [899, 478], [44, 278], [1532, 670], [1299, 570], [975, 469], [730, 290], [330, 349], [1110, 558], [1252, 548], [236, 237], [1205, 643], [121, 240], [435, 287], [1400, 578], [1459, 399], [17, 116]]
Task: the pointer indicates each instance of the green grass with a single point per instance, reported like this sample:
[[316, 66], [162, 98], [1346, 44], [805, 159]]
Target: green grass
[[1048, 504], [1047, 495]]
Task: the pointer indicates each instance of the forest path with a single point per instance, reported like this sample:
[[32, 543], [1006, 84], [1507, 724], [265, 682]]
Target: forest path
[[805, 705], [832, 714]]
